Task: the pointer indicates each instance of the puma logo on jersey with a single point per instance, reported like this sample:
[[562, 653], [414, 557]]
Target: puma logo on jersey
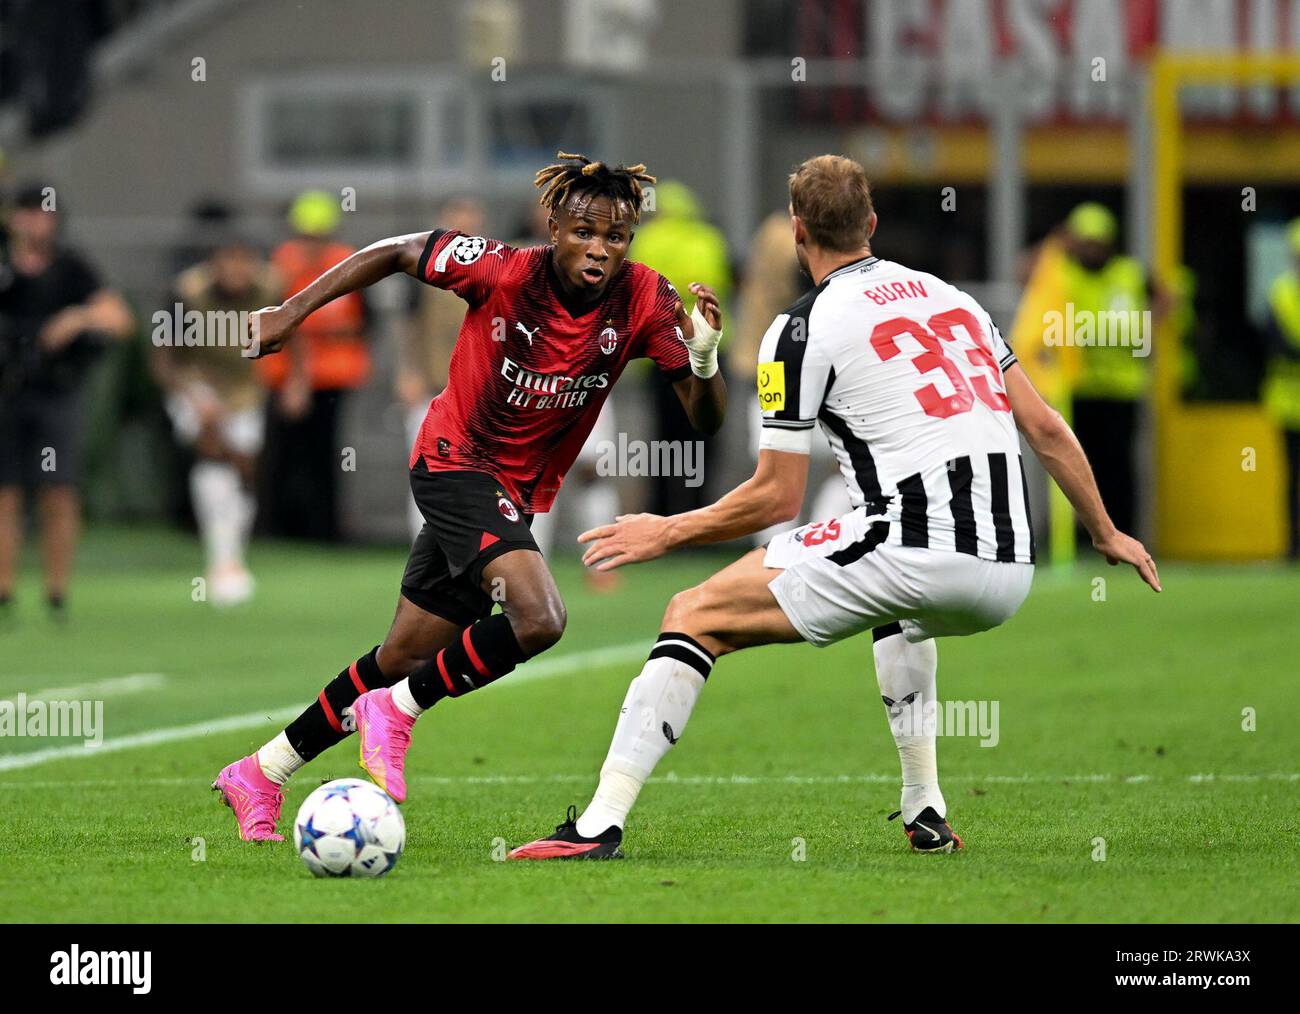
[[528, 334], [498, 250]]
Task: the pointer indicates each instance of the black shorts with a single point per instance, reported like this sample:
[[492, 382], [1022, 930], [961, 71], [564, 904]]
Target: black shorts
[[41, 439], [469, 520]]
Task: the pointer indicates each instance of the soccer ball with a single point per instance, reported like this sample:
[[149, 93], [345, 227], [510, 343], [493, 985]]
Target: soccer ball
[[349, 828]]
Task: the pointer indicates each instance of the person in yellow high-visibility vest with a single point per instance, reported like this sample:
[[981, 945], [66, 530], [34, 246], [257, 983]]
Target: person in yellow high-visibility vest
[[1111, 306], [1281, 393], [679, 242]]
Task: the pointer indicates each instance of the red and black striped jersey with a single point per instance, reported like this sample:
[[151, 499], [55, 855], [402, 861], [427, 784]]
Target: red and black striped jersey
[[528, 377]]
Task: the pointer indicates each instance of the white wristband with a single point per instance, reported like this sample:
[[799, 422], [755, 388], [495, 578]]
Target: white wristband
[[703, 347]]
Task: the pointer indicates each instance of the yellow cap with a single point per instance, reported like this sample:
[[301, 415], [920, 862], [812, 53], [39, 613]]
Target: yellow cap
[[314, 213], [1092, 221], [1293, 236]]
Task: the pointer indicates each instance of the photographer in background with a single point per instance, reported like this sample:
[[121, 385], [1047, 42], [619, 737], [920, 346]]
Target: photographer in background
[[55, 316]]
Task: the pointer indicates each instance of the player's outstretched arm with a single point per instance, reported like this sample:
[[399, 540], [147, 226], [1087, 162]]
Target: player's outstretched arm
[[773, 495], [703, 392], [1058, 449], [271, 327]]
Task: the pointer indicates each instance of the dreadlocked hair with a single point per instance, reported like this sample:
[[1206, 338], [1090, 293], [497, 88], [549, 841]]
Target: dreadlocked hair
[[580, 175]]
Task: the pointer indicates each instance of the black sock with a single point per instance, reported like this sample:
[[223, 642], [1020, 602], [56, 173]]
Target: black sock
[[321, 725], [484, 652]]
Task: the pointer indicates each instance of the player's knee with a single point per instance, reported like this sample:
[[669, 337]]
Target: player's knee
[[540, 628], [395, 662], [685, 610]]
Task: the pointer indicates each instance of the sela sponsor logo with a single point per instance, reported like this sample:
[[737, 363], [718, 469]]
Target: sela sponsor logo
[[508, 510], [608, 341], [548, 390], [75, 967]]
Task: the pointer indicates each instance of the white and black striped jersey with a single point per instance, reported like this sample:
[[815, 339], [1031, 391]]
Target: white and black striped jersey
[[905, 374]]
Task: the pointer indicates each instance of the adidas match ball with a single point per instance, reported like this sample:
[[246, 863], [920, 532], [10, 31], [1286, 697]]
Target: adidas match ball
[[349, 828]]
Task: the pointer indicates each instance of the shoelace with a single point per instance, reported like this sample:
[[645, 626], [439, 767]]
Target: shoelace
[[570, 821], [269, 824]]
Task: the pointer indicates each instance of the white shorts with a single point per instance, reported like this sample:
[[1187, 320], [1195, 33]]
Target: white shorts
[[840, 578], [242, 430]]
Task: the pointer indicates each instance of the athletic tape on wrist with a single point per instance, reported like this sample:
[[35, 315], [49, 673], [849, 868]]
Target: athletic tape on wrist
[[704, 363]]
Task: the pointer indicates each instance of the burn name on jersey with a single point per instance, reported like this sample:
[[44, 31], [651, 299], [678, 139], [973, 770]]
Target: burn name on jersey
[[892, 291], [548, 390]]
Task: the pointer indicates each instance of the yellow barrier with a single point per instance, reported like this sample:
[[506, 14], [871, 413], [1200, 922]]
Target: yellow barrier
[[1210, 504]]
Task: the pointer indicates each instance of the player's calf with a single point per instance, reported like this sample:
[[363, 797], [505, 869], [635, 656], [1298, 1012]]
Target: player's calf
[[651, 721], [538, 628], [484, 652], [906, 674]]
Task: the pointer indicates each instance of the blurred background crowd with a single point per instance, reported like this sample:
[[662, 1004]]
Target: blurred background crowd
[[216, 155]]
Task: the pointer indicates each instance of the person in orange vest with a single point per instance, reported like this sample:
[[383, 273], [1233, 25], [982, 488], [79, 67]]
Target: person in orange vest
[[309, 386]]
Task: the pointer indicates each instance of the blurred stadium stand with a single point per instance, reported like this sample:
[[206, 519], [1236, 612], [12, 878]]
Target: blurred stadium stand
[[165, 104]]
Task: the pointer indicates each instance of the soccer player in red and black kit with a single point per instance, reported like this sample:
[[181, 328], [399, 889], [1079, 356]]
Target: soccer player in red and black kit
[[548, 331]]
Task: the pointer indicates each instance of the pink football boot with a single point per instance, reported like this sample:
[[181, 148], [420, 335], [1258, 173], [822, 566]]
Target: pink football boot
[[255, 799], [385, 734]]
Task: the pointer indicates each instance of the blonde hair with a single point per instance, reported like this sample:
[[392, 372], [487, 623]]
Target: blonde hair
[[831, 196]]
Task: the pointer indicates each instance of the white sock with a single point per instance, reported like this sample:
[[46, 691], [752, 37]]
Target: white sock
[[220, 509], [403, 700], [906, 675], [655, 711], [278, 760]]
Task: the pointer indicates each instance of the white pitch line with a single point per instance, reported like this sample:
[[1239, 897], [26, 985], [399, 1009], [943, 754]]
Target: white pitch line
[[595, 658], [11, 762], [115, 686], [540, 669], [712, 780]]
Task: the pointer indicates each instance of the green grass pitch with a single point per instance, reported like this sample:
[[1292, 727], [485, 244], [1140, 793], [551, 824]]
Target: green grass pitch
[[1119, 720]]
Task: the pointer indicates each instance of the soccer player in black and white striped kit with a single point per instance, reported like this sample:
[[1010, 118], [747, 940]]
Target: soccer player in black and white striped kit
[[920, 399]]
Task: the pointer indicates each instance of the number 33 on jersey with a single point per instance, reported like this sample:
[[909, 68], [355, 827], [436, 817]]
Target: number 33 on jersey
[[904, 372]]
